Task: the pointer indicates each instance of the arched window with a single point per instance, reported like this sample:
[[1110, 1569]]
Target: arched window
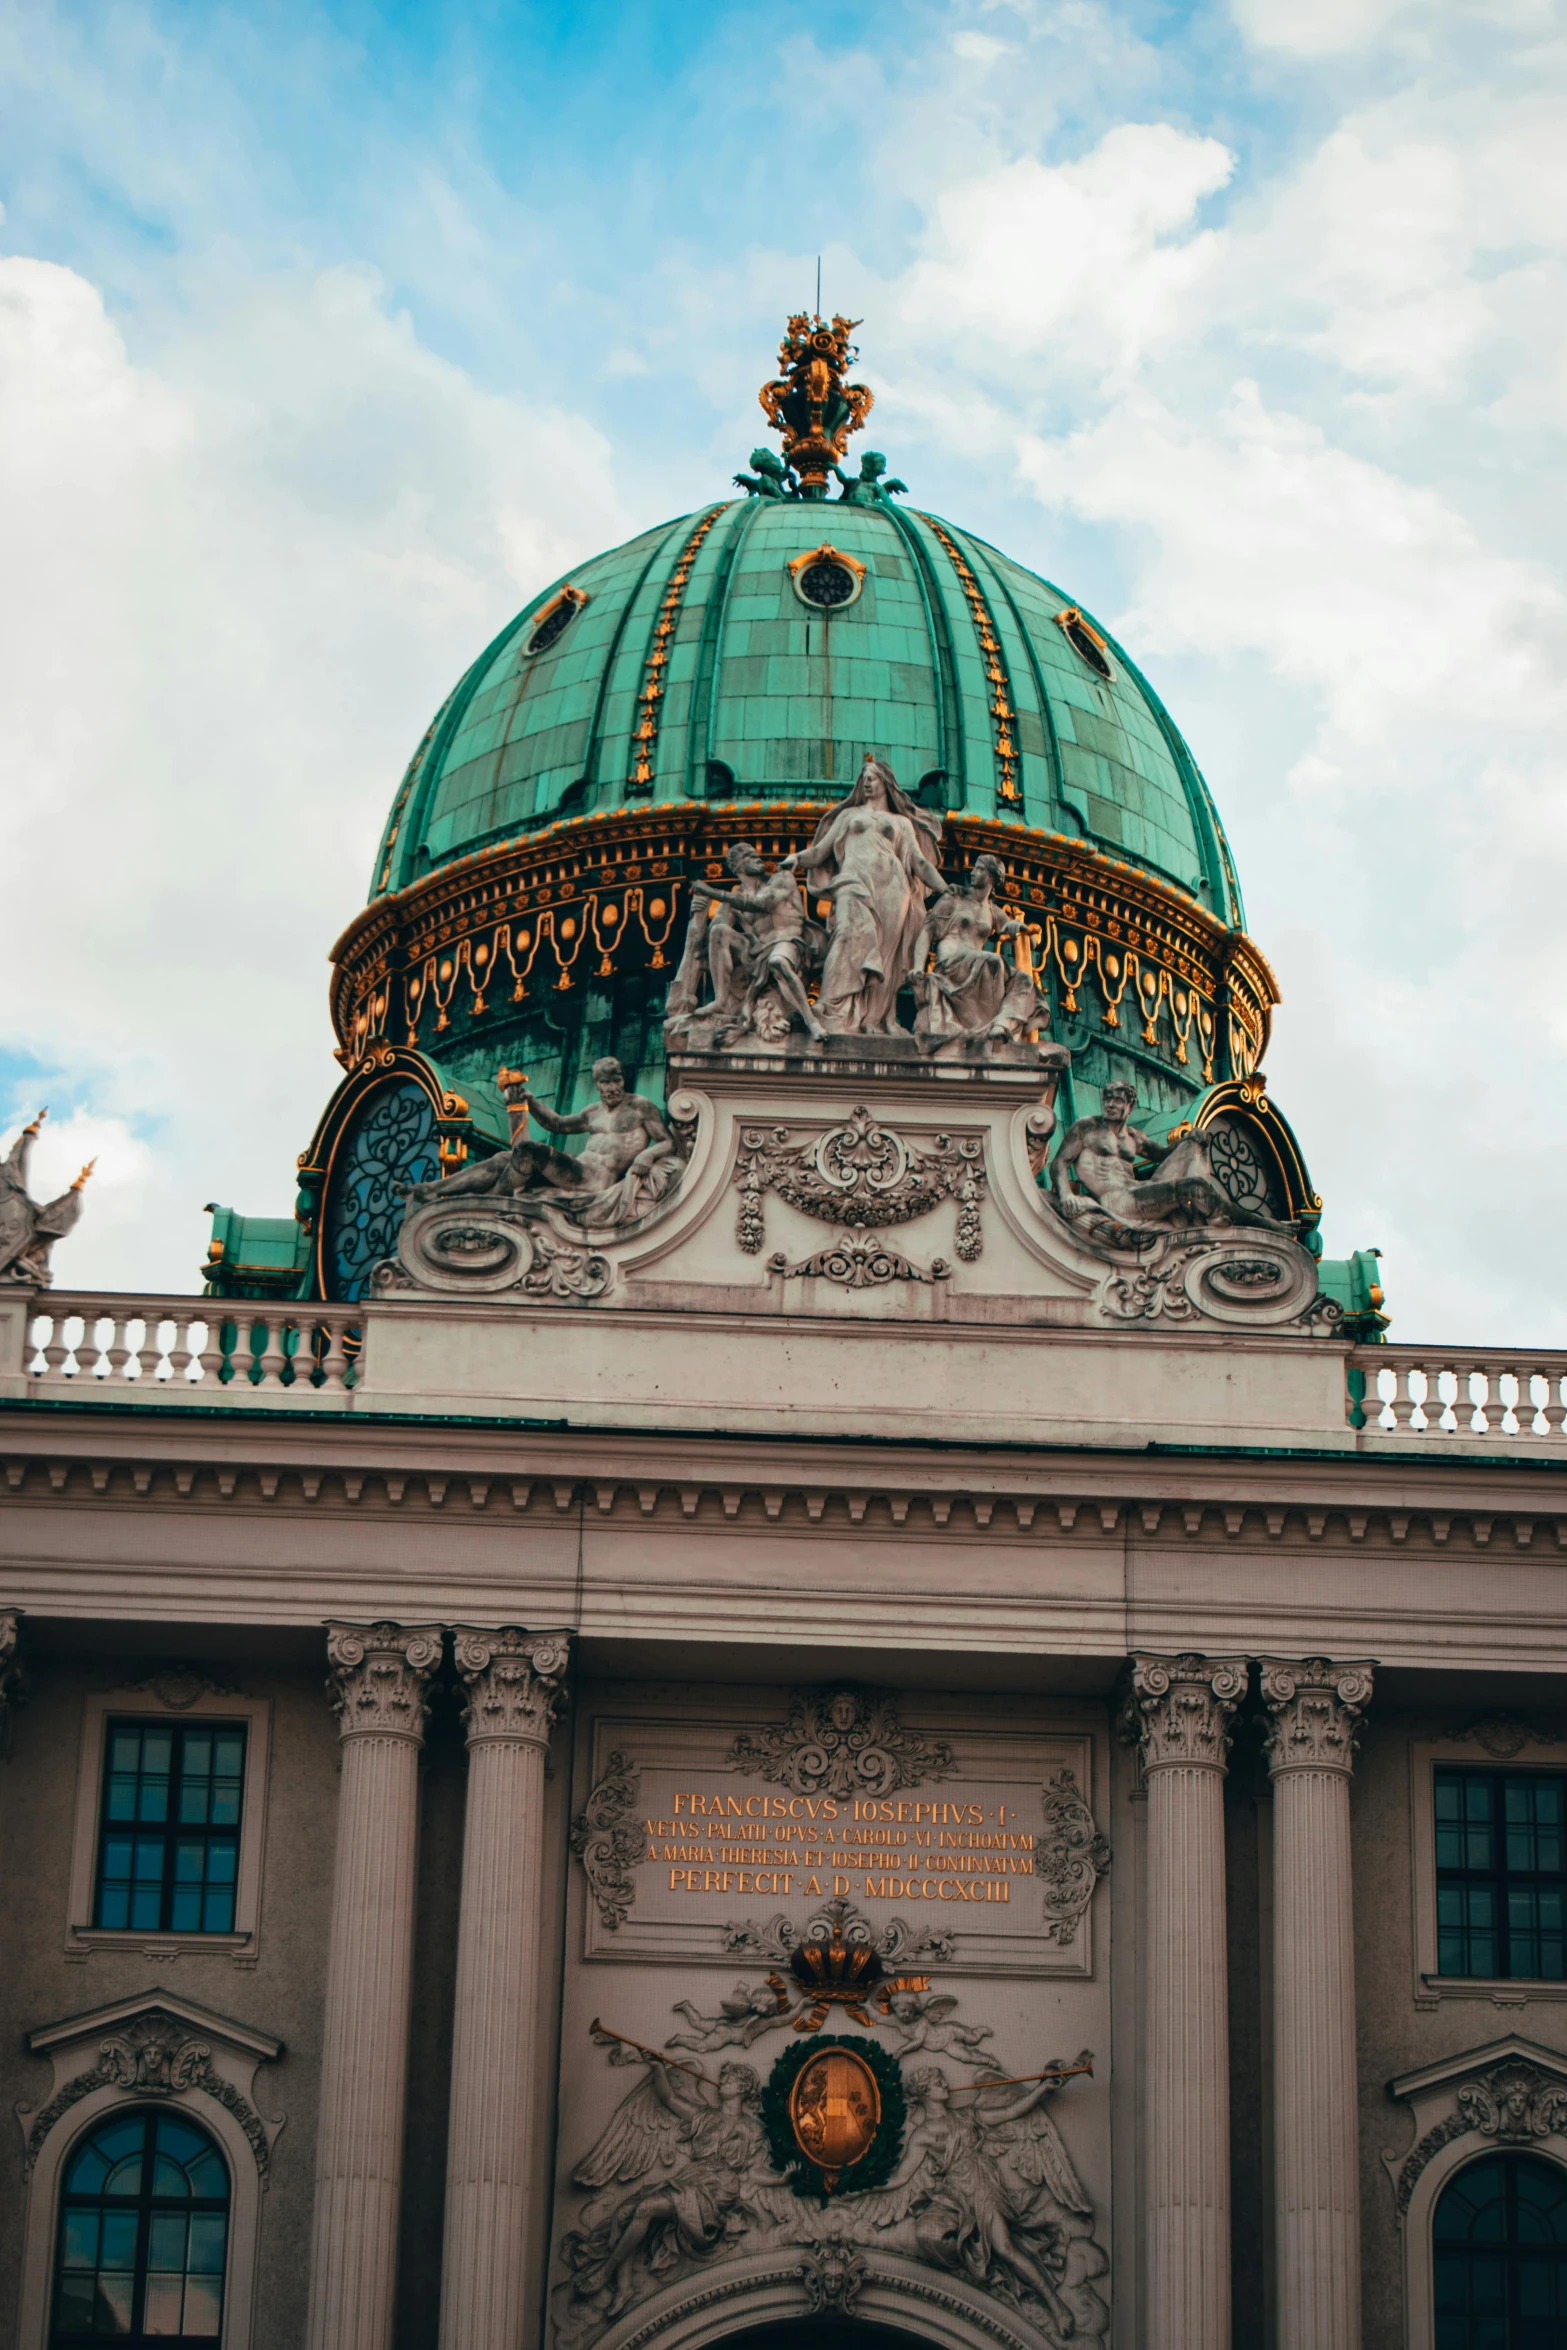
[[144, 2217], [1501, 2256]]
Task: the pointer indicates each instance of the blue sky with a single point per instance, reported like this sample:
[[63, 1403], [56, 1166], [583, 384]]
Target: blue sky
[[328, 333]]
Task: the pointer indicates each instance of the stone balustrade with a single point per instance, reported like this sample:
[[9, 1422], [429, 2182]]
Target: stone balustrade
[[167, 1350], [1505, 1399]]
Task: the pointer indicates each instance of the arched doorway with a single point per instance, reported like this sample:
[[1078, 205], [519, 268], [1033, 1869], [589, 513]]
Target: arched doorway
[[1499, 2244]]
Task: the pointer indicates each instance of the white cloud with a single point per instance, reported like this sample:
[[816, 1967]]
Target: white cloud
[[1085, 260], [239, 578]]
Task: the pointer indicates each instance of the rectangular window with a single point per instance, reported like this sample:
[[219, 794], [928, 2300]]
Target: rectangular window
[[1501, 1873], [168, 1842]]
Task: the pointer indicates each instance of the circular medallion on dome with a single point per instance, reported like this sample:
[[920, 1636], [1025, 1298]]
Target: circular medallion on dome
[[827, 579], [555, 619]]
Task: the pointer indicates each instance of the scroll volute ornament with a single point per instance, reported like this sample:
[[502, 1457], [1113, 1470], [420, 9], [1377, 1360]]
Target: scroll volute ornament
[[1178, 1708], [380, 1677], [514, 1681], [809, 402], [1315, 1709]]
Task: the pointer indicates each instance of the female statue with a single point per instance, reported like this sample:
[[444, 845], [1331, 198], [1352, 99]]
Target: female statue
[[882, 851], [972, 992]]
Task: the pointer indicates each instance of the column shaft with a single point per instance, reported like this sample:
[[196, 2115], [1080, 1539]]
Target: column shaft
[[1315, 1708], [1180, 1709], [489, 2290], [381, 1672]]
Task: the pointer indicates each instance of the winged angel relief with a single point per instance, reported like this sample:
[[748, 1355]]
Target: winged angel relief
[[984, 2188]]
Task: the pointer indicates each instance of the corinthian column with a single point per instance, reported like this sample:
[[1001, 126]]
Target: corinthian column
[[488, 2293], [1179, 1709], [1315, 1710], [380, 1676]]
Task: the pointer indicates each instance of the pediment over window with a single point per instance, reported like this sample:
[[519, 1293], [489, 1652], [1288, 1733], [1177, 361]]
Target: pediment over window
[[154, 2045], [1510, 2092]]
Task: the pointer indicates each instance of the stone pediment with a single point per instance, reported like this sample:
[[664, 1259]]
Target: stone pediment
[[154, 2044], [1511, 2092]]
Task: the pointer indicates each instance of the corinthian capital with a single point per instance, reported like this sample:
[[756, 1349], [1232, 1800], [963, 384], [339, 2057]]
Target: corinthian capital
[[1178, 1709], [1315, 1709], [513, 1679], [380, 1677]]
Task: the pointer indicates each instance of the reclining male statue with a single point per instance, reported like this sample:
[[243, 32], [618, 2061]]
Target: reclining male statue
[[629, 1162]]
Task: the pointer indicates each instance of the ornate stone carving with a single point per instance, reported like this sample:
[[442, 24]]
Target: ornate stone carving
[[681, 2179], [627, 1165], [1316, 1709], [608, 1838], [512, 1681], [492, 1247], [1109, 1205], [750, 2010], [1515, 2103], [867, 1263], [833, 2274], [843, 1741], [153, 2057], [860, 1175], [28, 1232], [380, 1676], [896, 1944], [1178, 1708], [1504, 1735], [923, 2023], [178, 1685], [1070, 1857]]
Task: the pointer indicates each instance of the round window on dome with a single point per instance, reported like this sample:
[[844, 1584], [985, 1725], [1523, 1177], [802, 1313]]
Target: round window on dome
[[826, 579], [553, 622], [1085, 640]]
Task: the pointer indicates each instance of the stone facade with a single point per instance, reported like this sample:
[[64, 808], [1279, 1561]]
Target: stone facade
[[558, 1691]]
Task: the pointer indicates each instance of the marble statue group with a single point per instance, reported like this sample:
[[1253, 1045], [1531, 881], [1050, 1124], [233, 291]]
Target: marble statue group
[[891, 921]]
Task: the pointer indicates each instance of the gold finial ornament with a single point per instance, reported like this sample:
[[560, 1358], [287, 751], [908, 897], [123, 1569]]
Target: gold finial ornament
[[809, 402], [82, 1177]]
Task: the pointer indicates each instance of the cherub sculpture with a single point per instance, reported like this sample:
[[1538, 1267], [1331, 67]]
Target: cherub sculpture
[[750, 2010], [772, 478], [921, 2021], [27, 1231], [867, 488]]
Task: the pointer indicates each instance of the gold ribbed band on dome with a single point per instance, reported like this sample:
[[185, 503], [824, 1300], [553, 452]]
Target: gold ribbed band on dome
[[650, 700], [1003, 717], [510, 924]]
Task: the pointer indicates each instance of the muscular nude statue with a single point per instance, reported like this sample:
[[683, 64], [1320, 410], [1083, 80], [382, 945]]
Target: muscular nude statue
[[1102, 1154], [629, 1160], [775, 926]]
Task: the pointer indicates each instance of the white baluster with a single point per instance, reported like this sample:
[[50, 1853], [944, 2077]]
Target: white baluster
[[272, 1356], [55, 1349], [336, 1362]]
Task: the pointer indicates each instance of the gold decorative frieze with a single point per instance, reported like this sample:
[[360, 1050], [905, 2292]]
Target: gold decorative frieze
[[602, 895]]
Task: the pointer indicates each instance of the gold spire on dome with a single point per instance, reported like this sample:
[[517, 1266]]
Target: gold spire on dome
[[809, 402]]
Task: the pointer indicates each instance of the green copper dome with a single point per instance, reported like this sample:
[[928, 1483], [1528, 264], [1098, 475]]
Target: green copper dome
[[714, 660]]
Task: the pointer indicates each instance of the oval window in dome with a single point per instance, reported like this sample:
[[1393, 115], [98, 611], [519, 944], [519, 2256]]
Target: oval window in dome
[[1085, 640], [827, 579], [553, 622]]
